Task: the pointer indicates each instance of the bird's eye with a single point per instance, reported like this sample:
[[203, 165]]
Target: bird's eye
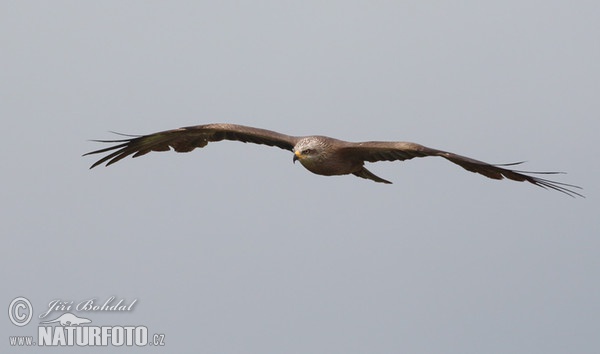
[[307, 151]]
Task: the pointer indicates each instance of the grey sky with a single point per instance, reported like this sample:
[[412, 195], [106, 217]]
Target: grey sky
[[233, 249]]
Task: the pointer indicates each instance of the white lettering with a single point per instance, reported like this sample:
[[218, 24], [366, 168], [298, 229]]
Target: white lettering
[[92, 336], [141, 335], [117, 336], [44, 336], [59, 336], [57, 305]]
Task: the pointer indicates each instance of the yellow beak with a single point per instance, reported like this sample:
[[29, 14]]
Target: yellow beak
[[297, 155]]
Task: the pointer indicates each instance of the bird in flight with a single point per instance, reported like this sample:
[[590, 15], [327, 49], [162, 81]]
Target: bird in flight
[[319, 154]]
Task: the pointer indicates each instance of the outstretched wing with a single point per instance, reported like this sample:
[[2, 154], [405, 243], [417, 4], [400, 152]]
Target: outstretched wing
[[188, 138], [374, 151]]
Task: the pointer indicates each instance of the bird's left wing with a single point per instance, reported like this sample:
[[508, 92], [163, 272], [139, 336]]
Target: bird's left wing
[[188, 138], [374, 151]]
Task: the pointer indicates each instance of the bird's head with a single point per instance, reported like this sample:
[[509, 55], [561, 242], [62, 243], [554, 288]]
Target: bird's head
[[309, 150]]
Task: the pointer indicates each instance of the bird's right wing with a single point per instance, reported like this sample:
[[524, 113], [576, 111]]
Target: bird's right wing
[[374, 151], [188, 138]]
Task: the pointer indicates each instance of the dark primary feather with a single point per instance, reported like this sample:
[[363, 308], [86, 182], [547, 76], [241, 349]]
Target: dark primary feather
[[188, 138], [374, 151]]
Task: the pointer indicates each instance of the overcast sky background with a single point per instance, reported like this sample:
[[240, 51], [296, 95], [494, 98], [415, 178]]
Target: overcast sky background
[[232, 248]]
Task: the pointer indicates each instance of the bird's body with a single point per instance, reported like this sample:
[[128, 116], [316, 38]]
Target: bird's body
[[321, 155]]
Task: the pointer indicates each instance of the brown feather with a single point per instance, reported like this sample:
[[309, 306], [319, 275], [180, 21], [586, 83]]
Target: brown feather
[[374, 151], [188, 138]]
